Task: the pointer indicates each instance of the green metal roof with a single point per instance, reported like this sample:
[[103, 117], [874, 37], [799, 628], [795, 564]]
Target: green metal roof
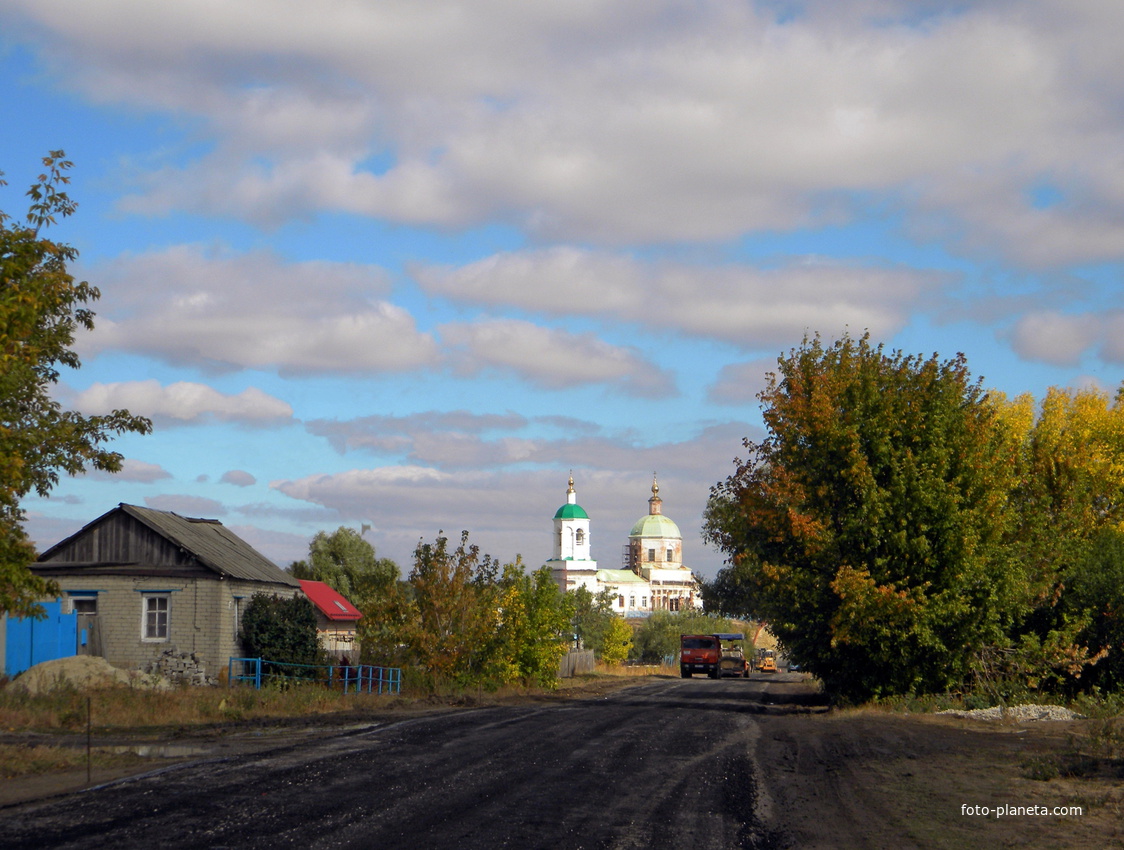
[[655, 525], [568, 511], [619, 577]]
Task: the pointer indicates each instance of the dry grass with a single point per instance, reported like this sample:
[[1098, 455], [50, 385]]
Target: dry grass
[[18, 760], [126, 708]]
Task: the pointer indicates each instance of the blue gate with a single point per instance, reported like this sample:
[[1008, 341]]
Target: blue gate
[[31, 642], [357, 679]]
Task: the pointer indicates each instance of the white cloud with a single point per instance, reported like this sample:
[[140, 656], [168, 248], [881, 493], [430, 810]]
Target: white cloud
[[184, 403], [749, 307], [552, 358], [189, 506], [626, 122], [508, 507], [133, 471], [238, 477], [1064, 339], [253, 311], [740, 383]]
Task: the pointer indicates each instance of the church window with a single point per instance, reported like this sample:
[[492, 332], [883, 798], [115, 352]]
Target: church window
[[651, 554], [643, 601], [581, 536], [670, 555], [632, 602], [620, 601]]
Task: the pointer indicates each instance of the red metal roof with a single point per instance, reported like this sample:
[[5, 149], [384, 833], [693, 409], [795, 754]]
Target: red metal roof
[[328, 600]]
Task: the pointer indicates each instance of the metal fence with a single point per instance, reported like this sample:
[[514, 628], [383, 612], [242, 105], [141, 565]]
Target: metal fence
[[352, 678]]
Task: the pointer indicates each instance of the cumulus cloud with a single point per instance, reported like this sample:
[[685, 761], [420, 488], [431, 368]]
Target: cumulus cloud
[[626, 122], [508, 506], [754, 308], [238, 477], [249, 311], [189, 506], [552, 358], [1064, 339], [739, 383], [134, 471], [184, 403]]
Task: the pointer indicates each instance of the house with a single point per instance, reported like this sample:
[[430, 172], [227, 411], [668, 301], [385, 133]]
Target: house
[[149, 585], [337, 620]]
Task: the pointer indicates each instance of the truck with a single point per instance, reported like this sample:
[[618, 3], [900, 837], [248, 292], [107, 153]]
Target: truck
[[715, 655]]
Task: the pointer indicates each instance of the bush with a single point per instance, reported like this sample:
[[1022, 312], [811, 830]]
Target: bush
[[281, 630]]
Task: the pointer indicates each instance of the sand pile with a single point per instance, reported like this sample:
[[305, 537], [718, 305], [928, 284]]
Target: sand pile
[[82, 671]]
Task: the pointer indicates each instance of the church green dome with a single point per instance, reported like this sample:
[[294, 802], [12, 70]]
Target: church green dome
[[655, 525], [571, 512]]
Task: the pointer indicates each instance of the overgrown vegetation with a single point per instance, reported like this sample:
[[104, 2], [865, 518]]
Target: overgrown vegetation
[[904, 532], [462, 618]]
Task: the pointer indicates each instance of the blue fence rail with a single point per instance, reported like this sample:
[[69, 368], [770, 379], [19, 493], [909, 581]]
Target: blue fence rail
[[352, 678]]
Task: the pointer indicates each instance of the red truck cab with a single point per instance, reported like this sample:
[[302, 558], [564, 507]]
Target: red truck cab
[[699, 654]]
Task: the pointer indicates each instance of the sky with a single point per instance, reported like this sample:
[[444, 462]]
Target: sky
[[406, 265]]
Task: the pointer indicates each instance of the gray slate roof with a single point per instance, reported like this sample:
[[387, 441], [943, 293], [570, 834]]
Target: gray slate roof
[[215, 545]]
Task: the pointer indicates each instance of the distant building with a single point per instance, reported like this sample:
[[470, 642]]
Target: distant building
[[337, 620], [653, 578]]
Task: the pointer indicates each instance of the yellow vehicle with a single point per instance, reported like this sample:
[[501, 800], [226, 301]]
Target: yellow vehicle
[[766, 661]]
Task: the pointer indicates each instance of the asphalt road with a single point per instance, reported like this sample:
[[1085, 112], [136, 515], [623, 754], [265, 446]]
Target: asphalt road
[[668, 764]]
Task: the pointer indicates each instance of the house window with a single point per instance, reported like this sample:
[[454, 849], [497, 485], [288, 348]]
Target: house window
[[651, 554], [237, 617], [154, 625], [84, 603]]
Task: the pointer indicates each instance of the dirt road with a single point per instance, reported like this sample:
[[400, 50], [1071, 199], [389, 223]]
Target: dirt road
[[667, 764]]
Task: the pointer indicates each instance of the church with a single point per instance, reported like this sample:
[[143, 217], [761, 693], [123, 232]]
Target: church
[[653, 577]]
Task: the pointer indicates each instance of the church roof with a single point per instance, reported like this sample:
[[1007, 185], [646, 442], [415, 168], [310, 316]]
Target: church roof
[[619, 577], [571, 511], [655, 525]]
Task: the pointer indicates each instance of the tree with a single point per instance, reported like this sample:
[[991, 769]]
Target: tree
[[869, 527], [618, 641], [592, 616], [347, 563], [41, 307], [448, 624], [532, 628], [281, 630], [658, 636]]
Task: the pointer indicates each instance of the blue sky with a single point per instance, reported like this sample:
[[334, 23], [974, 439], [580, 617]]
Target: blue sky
[[407, 264]]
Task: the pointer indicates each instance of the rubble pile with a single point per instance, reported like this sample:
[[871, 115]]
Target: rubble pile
[[179, 667], [1016, 713]]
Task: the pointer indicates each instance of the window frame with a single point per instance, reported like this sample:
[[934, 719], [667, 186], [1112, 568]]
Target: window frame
[[146, 600]]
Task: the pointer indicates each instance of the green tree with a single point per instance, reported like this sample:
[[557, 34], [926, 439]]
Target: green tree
[[658, 636], [869, 527], [281, 630], [592, 616], [345, 561], [41, 307], [531, 629], [618, 641], [448, 623]]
